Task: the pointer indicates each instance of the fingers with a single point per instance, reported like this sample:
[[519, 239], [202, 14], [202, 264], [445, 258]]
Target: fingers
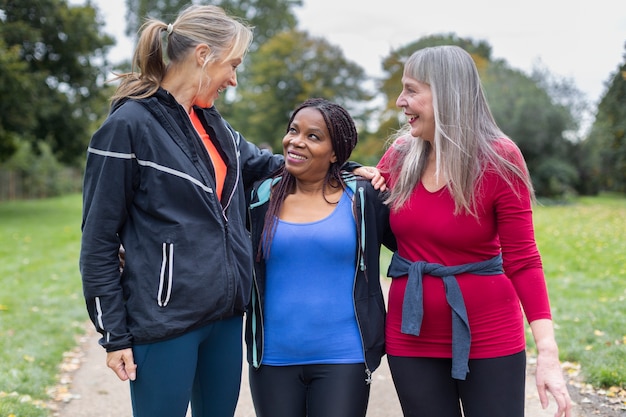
[[543, 396], [123, 364], [378, 182], [563, 401], [558, 390]]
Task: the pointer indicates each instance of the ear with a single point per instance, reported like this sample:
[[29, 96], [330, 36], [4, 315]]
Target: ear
[[333, 158], [202, 52]]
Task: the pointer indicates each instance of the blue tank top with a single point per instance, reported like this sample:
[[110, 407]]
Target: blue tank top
[[309, 313]]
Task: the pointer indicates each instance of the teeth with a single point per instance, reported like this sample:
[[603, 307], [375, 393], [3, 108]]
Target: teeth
[[302, 158]]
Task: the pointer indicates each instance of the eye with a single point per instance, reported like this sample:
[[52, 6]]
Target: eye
[[314, 137]]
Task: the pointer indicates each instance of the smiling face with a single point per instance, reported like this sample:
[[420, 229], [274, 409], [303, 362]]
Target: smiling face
[[216, 77], [308, 147], [416, 101]]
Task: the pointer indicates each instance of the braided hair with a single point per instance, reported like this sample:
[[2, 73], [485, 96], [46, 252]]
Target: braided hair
[[343, 136]]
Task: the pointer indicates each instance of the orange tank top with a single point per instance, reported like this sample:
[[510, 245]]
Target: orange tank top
[[218, 163]]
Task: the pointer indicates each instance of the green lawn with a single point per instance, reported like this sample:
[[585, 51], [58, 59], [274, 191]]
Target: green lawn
[[584, 255], [42, 309], [41, 304]]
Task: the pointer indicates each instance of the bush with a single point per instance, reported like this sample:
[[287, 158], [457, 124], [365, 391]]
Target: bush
[[36, 174]]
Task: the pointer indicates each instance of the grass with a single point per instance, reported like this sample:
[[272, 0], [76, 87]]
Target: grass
[[42, 309], [41, 304], [584, 254]]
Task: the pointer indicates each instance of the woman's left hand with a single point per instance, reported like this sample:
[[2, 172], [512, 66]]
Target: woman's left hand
[[373, 174], [549, 377]]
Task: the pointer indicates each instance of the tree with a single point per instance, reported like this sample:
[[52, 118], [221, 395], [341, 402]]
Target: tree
[[53, 60], [288, 69], [607, 139]]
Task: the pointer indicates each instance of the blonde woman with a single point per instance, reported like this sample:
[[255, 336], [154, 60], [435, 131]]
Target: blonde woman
[[165, 178]]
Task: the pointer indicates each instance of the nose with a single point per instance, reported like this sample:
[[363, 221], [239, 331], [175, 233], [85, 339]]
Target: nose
[[233, 80], [401, 102], [296, 140]]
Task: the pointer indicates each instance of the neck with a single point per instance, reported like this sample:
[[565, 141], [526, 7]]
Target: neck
[[181, 87], [315, 187]]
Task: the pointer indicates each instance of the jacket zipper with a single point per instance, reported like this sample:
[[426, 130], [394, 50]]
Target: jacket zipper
[[361, 262]]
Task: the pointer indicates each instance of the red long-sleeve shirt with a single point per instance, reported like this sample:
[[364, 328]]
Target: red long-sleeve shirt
[[426, 229]]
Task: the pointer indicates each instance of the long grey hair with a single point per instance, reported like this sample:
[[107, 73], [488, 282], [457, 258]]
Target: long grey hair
[[467, 139]]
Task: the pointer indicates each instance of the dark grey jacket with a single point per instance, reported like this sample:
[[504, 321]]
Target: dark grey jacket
[[372, 224], [149, 185]]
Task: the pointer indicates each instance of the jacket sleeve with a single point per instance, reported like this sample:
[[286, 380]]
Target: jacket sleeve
[[107, 189], [256, 163], [383, 228]]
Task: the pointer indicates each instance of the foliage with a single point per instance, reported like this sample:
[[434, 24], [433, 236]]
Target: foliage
[[607, 139], [553, 177], [41, 303], [38, 173], [14, 82], [268, 17], [285, 71], [52, 58], [530, 116]]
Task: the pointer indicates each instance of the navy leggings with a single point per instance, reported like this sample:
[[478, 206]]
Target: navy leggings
[[202, 366], [310, 390], [493, 388]]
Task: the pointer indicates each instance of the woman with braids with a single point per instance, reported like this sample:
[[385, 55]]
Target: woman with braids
[[315, 329], [165, 178], [461, 210]]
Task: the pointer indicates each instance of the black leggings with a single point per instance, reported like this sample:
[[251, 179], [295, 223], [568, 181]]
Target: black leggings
[[493, 388], [309, 390]]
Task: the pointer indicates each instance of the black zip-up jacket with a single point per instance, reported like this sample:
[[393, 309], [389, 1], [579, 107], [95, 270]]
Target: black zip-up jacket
[[372, 226], [149, 185]]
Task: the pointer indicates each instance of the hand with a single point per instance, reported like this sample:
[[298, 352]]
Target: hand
[[549, 377], [122, 363], [373, 174]]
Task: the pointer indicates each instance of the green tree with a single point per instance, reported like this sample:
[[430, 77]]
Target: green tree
[[288, 69], [54, 56], [607, 139], [15, 84], [138, 11], [539, 125]]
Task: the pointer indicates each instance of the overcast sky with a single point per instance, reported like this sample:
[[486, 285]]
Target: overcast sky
[[581, 40]]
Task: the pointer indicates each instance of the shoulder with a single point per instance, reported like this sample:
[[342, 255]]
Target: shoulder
[[261, 190], [507, 149], [363, 189]]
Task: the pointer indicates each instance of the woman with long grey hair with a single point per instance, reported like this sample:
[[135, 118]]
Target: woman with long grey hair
[[461, 210]]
